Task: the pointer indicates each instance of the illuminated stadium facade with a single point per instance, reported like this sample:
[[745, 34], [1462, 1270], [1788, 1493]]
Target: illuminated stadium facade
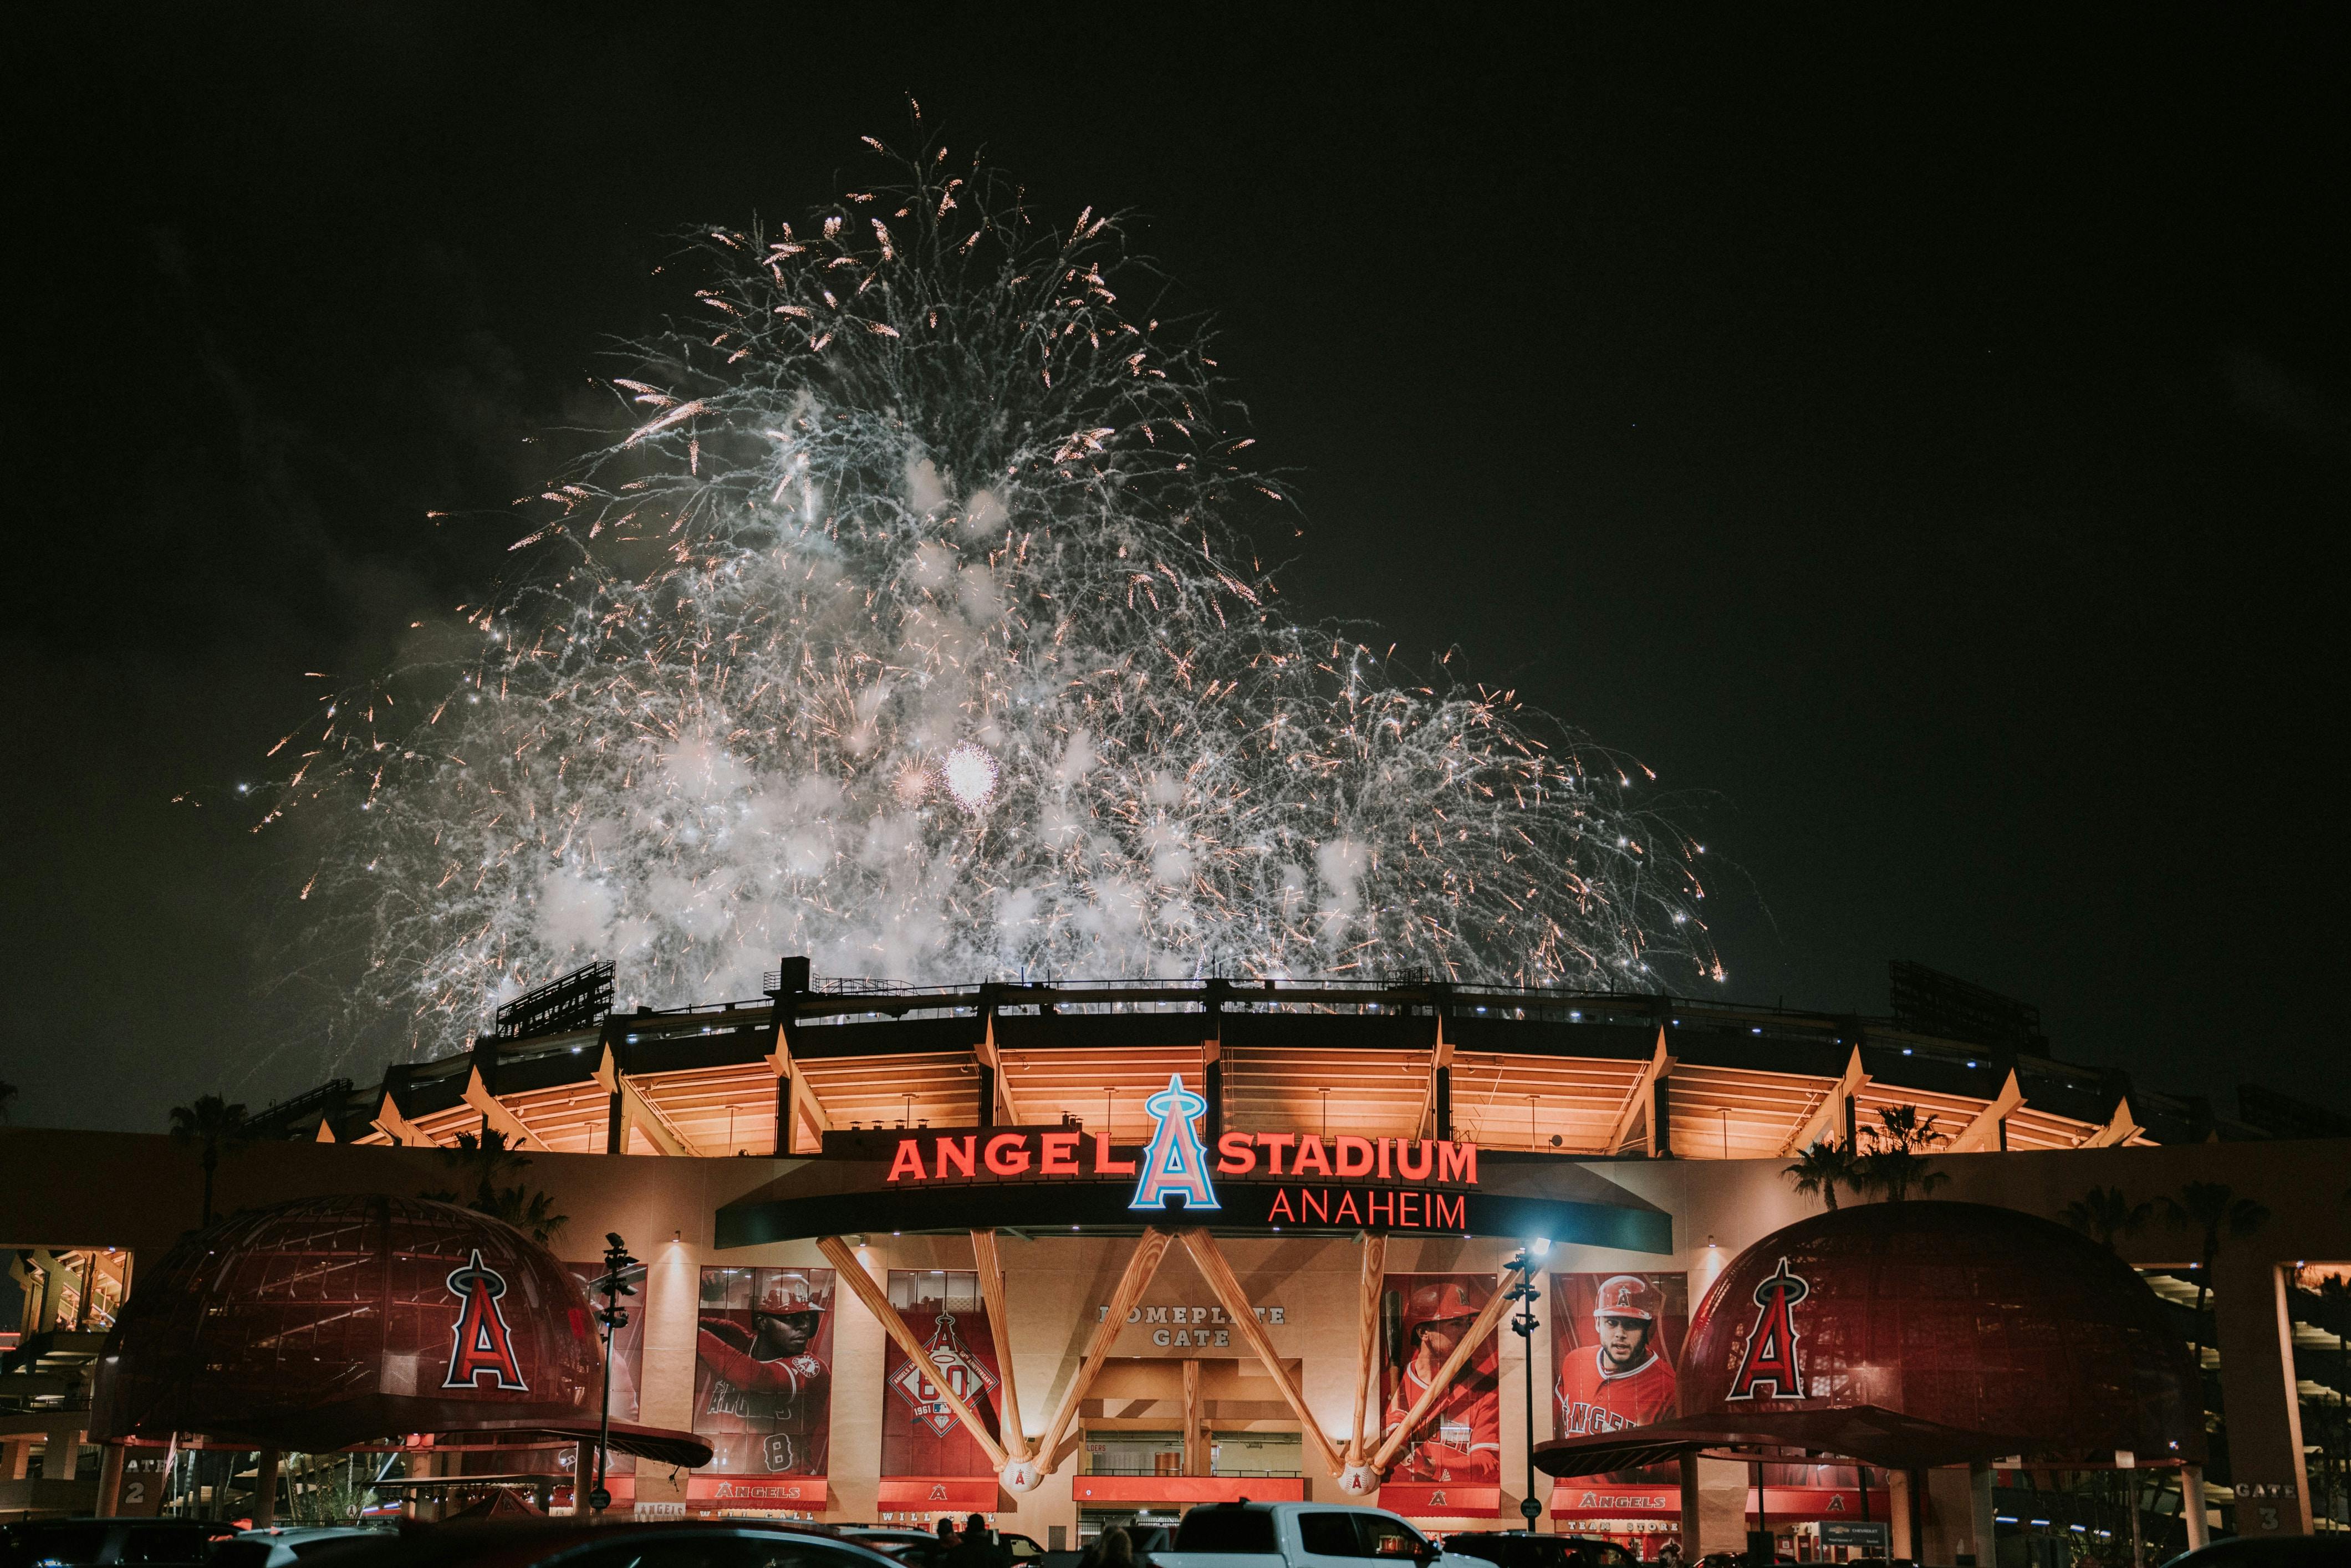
[[1576, 1074], [1076, 1254]]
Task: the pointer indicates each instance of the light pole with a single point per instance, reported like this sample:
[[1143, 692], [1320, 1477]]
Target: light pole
[[1524, 1325], [613, 1315]]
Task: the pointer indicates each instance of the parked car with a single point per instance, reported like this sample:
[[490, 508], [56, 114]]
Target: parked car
[[1298, 1535], [2332, 1550], [1522, 1549], [76, 1542], [575, 1543], [915, 1548], [923, 1549], [280, 1547]]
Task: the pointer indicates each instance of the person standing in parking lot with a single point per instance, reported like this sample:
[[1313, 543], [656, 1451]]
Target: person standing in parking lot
[[1113, 1548], [978, 1548]]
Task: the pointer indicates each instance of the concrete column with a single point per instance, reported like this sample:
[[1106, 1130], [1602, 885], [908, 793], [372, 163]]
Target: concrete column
[[1722, 1494], [1945, 1511], [1986, 1529], [265, 1489], [59, 1457], [2258, 1396], [110, 1480], [15, 1458], [860, 1345], [2191, 1506], [1691, 1524], [53, 1290], [1901, 1517], [672, 1308], [583, 1476]]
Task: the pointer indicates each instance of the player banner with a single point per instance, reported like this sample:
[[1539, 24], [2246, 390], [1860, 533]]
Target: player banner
[[1615, 1338], [1614, 1342], [628, 1357], [920, 1435], [1422, 1318], [762, 1371]]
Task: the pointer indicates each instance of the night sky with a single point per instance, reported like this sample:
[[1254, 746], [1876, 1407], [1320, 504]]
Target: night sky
[[1924, 438]]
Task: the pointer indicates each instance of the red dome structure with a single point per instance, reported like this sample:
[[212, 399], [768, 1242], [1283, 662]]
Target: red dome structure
[[1974, 1317], [333, 1321]]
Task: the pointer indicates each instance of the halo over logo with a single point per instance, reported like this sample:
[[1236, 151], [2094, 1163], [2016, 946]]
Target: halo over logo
[[1175, 1165], [1770, 1353], [481, 1343]]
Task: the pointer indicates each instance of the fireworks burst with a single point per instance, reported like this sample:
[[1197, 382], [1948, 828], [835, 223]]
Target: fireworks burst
[[902, 622]]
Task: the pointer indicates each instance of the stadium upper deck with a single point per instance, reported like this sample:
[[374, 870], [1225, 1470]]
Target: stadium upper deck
[[1575, 1075]]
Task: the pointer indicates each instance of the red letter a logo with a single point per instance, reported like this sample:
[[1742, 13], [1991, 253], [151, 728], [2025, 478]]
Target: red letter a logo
[[1770, 1353], [482, 1344]]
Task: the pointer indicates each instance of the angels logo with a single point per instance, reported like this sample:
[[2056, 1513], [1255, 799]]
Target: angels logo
[[966, 1373], [1175, 1165], [481, 1343], [1770, 1353]]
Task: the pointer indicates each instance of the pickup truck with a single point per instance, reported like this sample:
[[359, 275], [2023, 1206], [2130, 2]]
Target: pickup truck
[[1300, 1535]]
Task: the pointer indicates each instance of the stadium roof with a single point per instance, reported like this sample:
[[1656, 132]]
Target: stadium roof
[[1569, 1073]]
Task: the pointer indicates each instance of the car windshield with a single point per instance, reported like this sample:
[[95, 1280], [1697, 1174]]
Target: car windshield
[[1224, 1529], [72, 1544]]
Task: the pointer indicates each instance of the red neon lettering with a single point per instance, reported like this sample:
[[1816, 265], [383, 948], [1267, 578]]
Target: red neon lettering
[[1346, 1209], [1273, 1143], [1235, 1155], [1281, 1209], [957, 1153], [1406, 1168], [1405, 1202], [1312, 1155], [1457, 1162], [1379, 1208], [1455, 1218], [1316, 1202], [1384, 1144], [908, 1161], [1060, 1155], [999, 1161], [1103, 1163], [1354, 1157]]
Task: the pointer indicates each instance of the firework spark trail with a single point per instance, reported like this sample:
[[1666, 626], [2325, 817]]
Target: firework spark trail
[[902, 626]]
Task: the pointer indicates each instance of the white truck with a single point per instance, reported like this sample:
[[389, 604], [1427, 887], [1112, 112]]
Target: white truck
[[1300, 1535]]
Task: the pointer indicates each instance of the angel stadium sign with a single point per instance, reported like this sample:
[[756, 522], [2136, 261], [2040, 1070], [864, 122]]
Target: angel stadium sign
[[1174, 1171], [1065, 1178]]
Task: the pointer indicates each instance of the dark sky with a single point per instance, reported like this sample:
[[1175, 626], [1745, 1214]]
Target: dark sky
[[1927, 434]]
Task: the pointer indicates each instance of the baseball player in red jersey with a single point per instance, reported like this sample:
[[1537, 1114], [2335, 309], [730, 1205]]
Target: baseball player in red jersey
[[764, 1401], [1621, 1381], [1462, 1436]]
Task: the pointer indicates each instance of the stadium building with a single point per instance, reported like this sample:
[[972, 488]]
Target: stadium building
[[1076, 1254]]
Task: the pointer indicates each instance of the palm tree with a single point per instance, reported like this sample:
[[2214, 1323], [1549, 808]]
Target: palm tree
[[217, 1124], [1897, 1165], [528, 1211], [2104, 1213], [2214, 1208], [484, 1160], [1817, 1173]]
